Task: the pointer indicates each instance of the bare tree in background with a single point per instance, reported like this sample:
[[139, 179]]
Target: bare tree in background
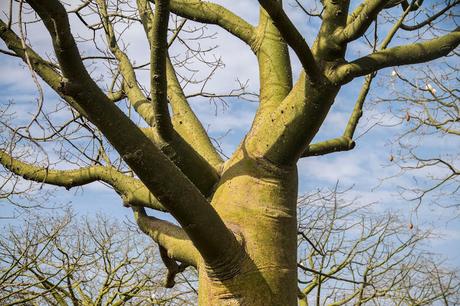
[[237, 217], [349, 254], [428, 111], [61, 260]]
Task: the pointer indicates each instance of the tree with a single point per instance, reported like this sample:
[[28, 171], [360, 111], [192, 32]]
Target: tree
[[428, 108], [237, 218], [61, 260], [350, 254]]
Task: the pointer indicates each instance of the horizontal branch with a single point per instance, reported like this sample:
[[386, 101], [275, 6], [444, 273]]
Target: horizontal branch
[[338, 144], [397, 56], [326, 275], [131, 190]]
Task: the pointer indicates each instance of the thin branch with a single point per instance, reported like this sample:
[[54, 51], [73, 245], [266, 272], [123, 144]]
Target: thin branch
[[430, 19]]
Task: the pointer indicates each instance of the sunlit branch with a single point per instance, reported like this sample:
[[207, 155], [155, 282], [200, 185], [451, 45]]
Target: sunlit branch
[[346, 142], [131, 190], [158, 79], [361, 19], [130, 85], [212, 13], [293, 38], [397, 56], [184, 119]]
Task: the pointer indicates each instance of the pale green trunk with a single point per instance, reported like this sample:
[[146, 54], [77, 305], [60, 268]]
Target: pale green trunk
[[257, 201]]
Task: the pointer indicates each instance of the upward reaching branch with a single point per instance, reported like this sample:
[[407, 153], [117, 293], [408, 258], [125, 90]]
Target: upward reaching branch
[[294, 39], [184, 119], [346, 142], [158, 53], [134, 92], [362, 18], [204, 179], [186, 122]]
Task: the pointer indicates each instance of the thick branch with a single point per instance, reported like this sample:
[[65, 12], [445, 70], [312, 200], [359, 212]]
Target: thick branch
[[338, 144], [140, 195], [275, 71], [186, 123], [172, 266], [130, 85], [158, 53], [401, 55], [204, 179], [345, 142], [211, 13], [131, 190], [184, 119], [182, 199], [167, 235], [293, 38], [364, 15]]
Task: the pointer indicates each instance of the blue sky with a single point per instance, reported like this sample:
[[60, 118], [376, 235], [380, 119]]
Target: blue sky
[[366, 168]]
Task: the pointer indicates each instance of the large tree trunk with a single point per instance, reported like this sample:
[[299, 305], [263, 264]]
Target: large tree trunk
[[257, 200]]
